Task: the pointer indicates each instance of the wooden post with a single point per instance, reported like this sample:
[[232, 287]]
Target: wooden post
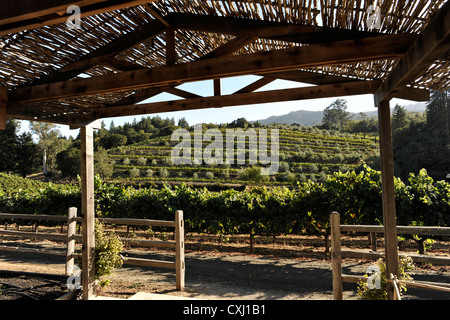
[[3, 100], [171, 53], [87, 209], [387, 178], [179, 250], [72, 224], [217, 87], [336, 263]]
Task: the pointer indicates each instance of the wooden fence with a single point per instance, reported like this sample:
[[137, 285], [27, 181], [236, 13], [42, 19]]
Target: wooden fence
[[337, 254], [71, 237]]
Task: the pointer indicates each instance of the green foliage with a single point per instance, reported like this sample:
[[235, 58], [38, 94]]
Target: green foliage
[[405, 266], [107, 254], [254, 211]]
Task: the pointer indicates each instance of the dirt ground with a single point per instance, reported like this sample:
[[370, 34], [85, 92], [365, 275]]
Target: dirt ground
[[294, 269]]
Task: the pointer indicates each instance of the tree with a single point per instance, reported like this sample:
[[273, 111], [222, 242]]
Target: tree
[[48, 136], [8, 144], [336, 116], [399, 119], [182, 122], [102, 164], [69, 162], [27, 154]]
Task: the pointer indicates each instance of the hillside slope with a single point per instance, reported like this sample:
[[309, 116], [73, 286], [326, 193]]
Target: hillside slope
[[304, 153]]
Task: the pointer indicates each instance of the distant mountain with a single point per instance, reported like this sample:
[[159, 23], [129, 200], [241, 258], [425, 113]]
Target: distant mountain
[[302, 117], [311, 118]]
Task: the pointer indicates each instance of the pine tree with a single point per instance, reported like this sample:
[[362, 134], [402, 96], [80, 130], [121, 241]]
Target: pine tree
[[399, 119]]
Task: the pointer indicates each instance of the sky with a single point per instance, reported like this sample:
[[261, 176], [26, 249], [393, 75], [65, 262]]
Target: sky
[[359, 103]]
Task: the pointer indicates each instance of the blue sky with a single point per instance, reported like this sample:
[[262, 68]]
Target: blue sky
[[360, 103]]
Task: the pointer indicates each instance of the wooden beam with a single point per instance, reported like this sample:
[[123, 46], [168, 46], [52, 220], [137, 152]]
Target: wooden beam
[[262, 29], [3, 102], [171, 53], [432, 44], [349, 51], [323, 78], [19, 15], [229, 47], [217, 87], [108, 51], [388, 193], [88, 211], [323, 91], [256, 85], [147, 93]]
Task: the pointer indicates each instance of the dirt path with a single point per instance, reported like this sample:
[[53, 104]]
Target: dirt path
[[227, 276]]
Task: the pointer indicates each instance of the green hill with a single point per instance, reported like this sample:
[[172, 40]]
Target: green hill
[[304, 153]]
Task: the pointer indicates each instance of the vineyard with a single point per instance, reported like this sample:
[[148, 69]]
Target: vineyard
[[269, 212], [305, 153]]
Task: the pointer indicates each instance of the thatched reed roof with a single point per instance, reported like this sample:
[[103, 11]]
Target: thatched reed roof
[[37, 50]]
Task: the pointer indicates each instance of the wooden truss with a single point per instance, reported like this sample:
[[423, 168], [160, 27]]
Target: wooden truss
[[306, 50]]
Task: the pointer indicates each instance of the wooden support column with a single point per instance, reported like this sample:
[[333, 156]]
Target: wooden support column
[[336, 256], [71, 230], [87, 210], [387, 178], [3, 100], [171, 54], [217, 87]]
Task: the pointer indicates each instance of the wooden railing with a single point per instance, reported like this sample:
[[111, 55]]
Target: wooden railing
[[337, 254], [71, 237]]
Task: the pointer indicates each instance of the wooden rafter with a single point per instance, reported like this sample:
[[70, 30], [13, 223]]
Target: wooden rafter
[[19, 15], [314, 92], [104, 53], [348, 51], [432, 44], [263, 29]]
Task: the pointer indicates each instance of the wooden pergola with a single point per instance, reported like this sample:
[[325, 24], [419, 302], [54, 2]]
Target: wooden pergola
[[127, 51]]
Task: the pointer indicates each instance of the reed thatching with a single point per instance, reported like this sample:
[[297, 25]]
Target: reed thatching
[[28, 55]]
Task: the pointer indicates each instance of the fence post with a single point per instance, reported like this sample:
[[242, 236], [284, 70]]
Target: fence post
[[336, 263], [72, 224], [179, 250]]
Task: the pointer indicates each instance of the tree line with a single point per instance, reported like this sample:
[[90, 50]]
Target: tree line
[[419, 140]]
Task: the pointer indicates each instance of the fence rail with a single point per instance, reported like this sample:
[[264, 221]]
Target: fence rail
[[337, 254], [71, 237]]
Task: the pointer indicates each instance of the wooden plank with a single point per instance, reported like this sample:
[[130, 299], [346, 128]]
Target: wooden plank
[[415, 230], [38, 235], [313, 92], [32, 250], [88, 211], [336, 257], [147, 243], [144, 222], [384, 47], [72, 224], [179, 250], [32, 217], [432, 44], [388, 193], [417, 258], [149, 263]]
